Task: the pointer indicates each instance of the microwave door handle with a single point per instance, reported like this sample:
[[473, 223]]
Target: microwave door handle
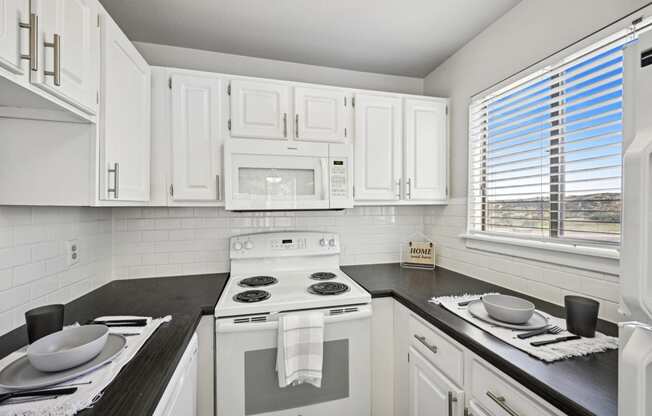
[[325, 180]]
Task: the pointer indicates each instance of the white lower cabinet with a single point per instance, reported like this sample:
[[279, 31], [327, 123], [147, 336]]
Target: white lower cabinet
[[500, 395], [431, 393], [436, 376], [475, 410], [180, 395]]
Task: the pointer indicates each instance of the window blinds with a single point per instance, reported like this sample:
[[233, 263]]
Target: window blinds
[[546, 152]]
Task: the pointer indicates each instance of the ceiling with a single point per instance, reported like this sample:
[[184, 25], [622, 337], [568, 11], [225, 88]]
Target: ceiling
[[400, 37]]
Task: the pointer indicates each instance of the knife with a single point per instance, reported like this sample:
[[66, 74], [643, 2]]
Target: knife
[[35, 393], [122, 322], [554, 341]]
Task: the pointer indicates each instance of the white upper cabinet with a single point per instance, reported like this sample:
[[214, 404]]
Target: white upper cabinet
[[377, 147], [430, 392], [196, 144], [259, 110], [426, 150], [68, 51], [14, 38], [124, 123], [320, 115]]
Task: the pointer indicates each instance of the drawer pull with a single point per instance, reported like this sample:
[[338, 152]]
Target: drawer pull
[[423, 340], [451, 399], [502, 402]]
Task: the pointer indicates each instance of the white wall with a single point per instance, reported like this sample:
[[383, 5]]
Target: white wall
[[528, 33], [172, 56], [149, 242], [33, 269]]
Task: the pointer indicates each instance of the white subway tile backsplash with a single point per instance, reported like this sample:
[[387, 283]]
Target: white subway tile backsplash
[[121, 243], [33, 267], [195, 240]]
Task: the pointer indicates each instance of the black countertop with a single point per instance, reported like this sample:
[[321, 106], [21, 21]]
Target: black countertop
[[583, 386], [140, 384]]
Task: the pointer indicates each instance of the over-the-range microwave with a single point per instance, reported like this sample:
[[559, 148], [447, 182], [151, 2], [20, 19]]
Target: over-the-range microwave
[[262, 175]]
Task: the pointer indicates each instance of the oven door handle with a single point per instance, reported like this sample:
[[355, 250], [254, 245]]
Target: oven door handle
[[244, 324]]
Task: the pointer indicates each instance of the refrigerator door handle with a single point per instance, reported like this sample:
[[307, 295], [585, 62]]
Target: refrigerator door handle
[[635, 363]]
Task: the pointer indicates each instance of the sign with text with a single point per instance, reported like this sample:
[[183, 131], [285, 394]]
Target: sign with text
[[421, 253]]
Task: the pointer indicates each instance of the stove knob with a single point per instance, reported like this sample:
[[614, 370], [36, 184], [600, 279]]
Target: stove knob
[[237, 245], [322, 242], [249, 245], [331, 242]]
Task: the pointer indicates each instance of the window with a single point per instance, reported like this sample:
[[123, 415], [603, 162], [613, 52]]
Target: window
[[545, 152]]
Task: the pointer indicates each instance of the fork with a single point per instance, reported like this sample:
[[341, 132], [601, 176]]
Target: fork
[[37, 393], [545, 330]]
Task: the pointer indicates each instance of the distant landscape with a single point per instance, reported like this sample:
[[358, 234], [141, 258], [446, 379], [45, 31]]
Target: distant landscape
[[589, 216]]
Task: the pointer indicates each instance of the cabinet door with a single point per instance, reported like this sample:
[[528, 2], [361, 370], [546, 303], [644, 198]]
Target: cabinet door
[[431, 394], [426, 150], [377, 147], [124, 124], [320, 115], [259, 110], [13, 42], [74, 76], [196, 146]]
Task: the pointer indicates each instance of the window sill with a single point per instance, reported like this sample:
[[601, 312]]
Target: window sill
[[603, 260]]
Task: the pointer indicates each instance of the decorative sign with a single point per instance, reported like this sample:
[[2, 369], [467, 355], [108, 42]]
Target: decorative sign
[[421, 253]]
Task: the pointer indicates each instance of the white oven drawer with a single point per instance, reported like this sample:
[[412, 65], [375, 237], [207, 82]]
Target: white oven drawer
[[500, 396], [438, 350]]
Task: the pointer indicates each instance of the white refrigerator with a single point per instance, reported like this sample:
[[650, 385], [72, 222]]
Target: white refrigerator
[[635, 355]]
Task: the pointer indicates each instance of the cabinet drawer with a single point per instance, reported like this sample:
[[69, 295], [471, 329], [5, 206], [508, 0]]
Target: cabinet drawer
[[500, 396], [442, 353]]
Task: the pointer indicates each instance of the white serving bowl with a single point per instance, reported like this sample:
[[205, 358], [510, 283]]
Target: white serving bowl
[[67, 348], [508, 309]]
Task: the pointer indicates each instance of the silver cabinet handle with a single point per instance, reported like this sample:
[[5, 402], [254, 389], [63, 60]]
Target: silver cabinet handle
[[398, 188], [502, 402], [32, 57], [285, 124], [217, 180], [56, 73], [116, 181], [425, 342], [408, 193], [451, 399], [296, 130]]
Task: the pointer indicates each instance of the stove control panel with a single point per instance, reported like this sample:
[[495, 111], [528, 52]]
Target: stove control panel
[[297, 243], [287, 243]]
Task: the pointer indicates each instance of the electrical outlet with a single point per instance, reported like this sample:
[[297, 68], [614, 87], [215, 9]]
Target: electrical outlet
[[72, 252]]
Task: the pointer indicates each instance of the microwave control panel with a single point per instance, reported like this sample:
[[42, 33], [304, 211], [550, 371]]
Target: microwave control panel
[[338, 178], [340, 175]]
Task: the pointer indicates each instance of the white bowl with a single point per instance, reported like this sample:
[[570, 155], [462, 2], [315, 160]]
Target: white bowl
[[67, 348], [508, 309]]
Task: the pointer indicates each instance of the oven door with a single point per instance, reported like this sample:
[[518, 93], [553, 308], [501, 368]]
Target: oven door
[[263, 175], [246, 378]]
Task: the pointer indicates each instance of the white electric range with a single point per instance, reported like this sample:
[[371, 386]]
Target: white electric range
[[285, 272]]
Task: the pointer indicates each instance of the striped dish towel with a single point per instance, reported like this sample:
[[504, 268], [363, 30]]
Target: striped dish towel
[[300, 349]]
